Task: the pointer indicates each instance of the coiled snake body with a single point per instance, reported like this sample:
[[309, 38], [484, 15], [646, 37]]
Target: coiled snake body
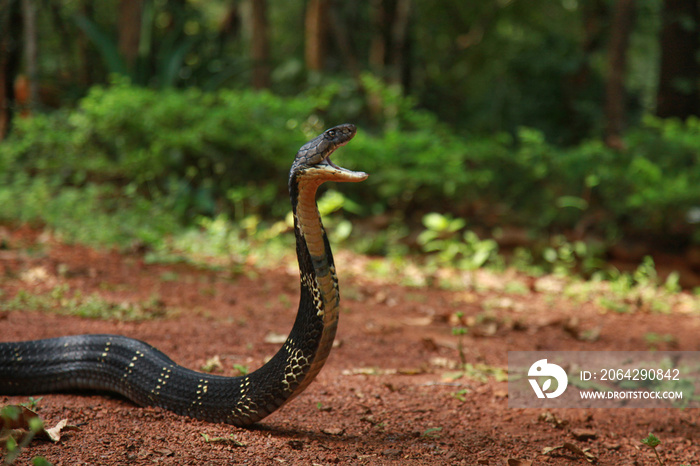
[[148, 377]]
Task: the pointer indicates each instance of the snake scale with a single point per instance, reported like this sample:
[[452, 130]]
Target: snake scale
[[148, 377]]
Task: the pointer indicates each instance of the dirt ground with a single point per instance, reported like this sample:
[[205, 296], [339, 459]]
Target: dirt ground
[[383, 396]]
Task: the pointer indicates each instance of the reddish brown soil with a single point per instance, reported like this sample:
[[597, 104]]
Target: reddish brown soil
[[382, 397]]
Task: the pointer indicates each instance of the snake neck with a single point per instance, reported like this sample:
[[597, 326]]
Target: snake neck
[[319, 295]]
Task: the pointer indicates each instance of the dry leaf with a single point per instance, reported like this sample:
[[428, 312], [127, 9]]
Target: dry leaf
[[429, 344], [19, 421], [230, 440], [518, 462], [551, 418], [213, 364], [333, 430], [584, 434], [55, 432], [587, 455], [417, 321], [275, 338]]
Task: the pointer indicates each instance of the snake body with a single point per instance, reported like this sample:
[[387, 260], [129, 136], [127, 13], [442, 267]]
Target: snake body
[[148, 377]]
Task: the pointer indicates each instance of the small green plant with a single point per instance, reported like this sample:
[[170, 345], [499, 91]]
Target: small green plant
[[241, 369], [460, 395], [442, 237], [433, 432], [40, 461], [62, 300], [459, 332], [563, 257], [321, 407], [614, 305], [9, 416], [654, 340], [652, 442], [482, 372], [32, 403]]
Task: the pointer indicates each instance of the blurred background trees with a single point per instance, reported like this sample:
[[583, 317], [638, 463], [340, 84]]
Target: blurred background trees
[[551, 115], [570, 68]]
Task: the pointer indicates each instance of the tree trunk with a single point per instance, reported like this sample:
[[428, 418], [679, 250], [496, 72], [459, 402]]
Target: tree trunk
[[390, 39], [130, 12], [315, 25], [378, 46], [260, 45], [400, 42], [86, 54], [30, 54], [10, 55], [617, 60], [678, 88], [594, 15]]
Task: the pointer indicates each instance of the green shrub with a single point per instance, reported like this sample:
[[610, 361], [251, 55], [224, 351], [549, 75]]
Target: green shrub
[[140, 162], [190, 146]]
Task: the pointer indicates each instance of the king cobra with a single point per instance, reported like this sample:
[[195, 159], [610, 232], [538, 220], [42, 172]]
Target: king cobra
[[146, 376]]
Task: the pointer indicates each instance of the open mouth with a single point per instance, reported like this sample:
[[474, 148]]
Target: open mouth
[[346, 175], [330, 162]]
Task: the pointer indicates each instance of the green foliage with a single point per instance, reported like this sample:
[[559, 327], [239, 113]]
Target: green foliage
[[652, 441], [442, 237], [40, 461], [17, 429], [654, 340], [175, 47], [652, 186], [485, 66], [62, 300], [91, 214], [32, 403], [131, 164], [516, 63]]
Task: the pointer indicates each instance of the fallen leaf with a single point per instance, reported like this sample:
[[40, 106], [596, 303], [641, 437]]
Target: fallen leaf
[[612, 446], [164, 451], [486, 329], [35, 275], [444, 363], [584, 434], [231, 440], [518, 462], [417, 321], [411, 371], [333, 431], [213, 364], [369, 371], [55, 432], [275, 338], [429, 344], [296, 444], [585, 452], [392, 452], [19, 421], [551, 418]]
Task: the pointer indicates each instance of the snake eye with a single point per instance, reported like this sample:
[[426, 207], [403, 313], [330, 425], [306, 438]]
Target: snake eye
[[331, 133]]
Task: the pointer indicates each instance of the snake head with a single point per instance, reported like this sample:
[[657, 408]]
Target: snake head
[[313, 159]]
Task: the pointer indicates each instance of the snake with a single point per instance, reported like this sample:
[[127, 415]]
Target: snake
[[141, 373]]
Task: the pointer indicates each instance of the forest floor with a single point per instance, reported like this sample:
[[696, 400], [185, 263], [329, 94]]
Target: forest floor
[[388, 393]]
